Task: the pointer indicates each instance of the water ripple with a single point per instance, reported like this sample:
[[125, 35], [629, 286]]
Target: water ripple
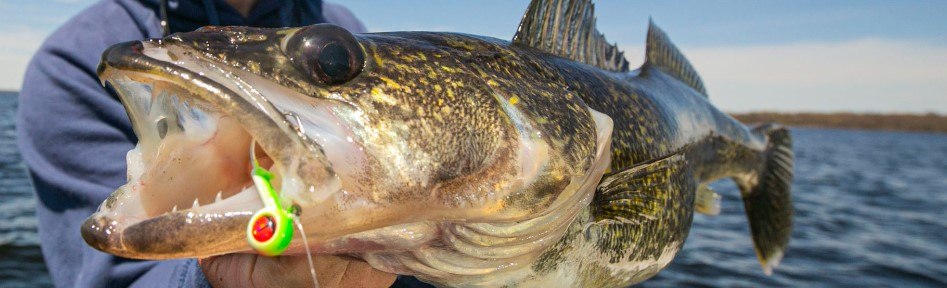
[[870, 212]]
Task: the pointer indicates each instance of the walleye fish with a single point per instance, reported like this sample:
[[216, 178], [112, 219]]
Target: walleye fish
[[463, 160]]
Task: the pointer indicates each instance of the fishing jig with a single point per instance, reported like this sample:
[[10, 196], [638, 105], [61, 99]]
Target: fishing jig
[[270, 229]]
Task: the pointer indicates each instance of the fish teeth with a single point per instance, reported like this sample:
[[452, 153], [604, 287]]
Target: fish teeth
[[219, 197], [174, 209], [196, 204]]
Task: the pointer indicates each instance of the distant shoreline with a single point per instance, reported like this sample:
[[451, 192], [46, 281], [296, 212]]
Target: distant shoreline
[[931, 123]]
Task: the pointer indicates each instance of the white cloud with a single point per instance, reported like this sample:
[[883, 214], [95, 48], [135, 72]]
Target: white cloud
[[16, 48], [876, 75]]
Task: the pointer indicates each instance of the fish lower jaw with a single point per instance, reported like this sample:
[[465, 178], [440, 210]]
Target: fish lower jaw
[[245, 201], [130, 225]]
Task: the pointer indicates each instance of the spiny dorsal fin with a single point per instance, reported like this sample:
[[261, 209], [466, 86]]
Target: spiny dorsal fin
[[566, 28], [662, 54]]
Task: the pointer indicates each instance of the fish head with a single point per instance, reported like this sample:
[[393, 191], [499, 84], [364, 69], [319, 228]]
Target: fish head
[[374, 139]]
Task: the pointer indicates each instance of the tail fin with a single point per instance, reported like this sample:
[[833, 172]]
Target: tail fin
[[766, 197]]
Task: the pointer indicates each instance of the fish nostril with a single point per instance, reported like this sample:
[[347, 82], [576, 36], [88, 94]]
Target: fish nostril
[[162, 127]]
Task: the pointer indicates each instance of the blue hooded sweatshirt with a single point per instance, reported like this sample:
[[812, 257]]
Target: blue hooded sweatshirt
[[73, 135]]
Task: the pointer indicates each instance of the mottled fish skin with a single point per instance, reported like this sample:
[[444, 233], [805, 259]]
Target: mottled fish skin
[[450, 97], [657, 119], [412, 74]]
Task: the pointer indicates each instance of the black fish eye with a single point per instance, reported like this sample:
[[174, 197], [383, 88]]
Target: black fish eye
[[334, 63], [328, 53]]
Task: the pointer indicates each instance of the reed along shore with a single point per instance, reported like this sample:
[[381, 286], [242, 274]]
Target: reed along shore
[[868, 121]]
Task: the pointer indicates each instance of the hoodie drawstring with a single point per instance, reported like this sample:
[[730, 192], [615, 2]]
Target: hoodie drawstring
[[163, 13], [212, 17]]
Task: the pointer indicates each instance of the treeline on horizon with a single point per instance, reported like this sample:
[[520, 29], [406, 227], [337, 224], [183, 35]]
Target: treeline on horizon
[[867, 121]]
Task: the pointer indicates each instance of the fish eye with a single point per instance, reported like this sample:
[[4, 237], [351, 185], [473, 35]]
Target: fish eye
[[334, 63], [328, 53]]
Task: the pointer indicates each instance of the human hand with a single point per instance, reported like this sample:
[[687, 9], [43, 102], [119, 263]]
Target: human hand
[[251, 270]]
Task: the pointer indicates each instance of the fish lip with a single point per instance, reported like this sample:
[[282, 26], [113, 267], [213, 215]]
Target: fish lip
[[158, 238]]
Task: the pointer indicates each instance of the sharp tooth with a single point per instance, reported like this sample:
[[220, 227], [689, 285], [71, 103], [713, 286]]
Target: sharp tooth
[[196, 204], [175, 209], [219, 197]]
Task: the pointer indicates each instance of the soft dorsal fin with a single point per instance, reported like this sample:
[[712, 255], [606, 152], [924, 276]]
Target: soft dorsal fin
[[662, 54], [566, 28]]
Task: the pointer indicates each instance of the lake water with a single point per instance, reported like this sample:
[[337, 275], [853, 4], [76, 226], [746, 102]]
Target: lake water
[[871, 211]]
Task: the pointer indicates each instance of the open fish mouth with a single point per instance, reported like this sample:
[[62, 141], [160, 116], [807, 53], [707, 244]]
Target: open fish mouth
[[189, 190]]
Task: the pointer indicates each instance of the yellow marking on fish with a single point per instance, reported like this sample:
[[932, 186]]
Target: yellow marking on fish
[[459, 43], [514, 100], [383, 97], [378, 59], [404, 67], [492, 83], [286, 32], [448, 69], [254, 66], [437, 88], [391, 83]]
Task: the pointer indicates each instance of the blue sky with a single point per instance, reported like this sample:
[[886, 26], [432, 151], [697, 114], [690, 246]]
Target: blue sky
[[863, 56]]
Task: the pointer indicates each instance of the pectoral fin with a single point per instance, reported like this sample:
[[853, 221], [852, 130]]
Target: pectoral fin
[[707, 201], [644, 211]]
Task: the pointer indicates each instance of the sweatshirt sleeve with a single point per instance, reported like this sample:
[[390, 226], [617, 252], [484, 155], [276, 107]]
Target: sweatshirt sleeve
[[73, 137], [342, 16]]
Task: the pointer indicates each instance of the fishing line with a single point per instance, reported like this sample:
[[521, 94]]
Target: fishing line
[[312, 268]]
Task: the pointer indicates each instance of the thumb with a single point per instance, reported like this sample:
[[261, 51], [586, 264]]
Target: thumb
[[251, 270], [231, 270]]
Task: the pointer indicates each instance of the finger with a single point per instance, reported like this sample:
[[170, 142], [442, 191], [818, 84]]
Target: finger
[[360, 274], [340, 271], [249, 270], [227, 270]]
